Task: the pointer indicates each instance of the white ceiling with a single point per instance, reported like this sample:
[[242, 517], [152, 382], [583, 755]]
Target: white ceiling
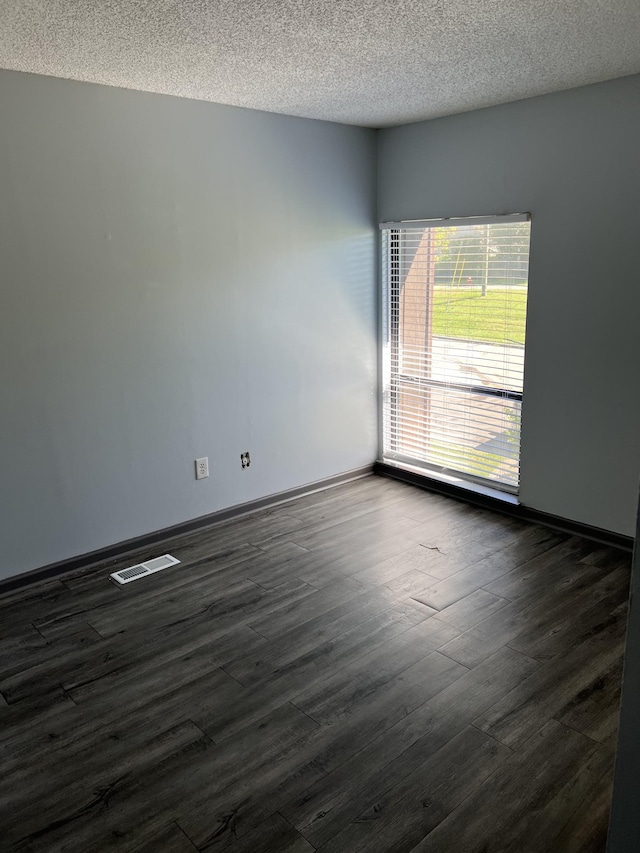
[[369, 62]]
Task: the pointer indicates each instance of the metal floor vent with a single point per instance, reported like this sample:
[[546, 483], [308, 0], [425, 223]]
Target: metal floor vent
[[142, 569]]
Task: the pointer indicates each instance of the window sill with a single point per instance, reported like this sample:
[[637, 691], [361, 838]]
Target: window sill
[[455, 482]]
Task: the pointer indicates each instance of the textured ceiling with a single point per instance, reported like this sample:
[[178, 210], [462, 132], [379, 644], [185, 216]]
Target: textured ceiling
[[369, 62]]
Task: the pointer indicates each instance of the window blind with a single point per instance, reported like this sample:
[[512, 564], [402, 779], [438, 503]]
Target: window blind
[[455, 296]]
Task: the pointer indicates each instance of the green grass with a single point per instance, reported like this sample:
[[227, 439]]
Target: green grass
[[496, 317], [469, 459]]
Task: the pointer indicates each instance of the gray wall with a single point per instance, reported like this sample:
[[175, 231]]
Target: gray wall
[[181, 279], [572, 160], [178, 279]]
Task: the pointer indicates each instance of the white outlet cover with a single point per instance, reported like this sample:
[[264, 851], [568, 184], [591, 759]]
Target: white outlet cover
[[202, 468]]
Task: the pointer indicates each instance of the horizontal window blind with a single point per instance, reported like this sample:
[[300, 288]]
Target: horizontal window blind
[[455, 296]]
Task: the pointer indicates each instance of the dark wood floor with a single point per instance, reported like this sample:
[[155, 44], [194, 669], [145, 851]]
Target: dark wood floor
[[370, 668]]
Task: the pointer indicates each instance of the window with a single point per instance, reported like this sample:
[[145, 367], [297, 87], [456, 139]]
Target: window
[[455, 298]]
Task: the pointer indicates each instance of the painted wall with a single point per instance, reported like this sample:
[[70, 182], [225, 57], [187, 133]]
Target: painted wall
[[178, 279], [571, 159]]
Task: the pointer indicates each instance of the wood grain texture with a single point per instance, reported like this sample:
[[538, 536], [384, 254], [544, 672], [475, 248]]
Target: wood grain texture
[[405, 813], [273, 834], [369, 668], [170, 839], [327, 806], [502, 814]]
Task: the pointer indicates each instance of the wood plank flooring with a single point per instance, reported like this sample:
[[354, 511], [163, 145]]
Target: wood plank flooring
[[369, 668]]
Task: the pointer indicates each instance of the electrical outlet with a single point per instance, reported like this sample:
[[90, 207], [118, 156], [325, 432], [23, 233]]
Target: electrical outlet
[[202, 468], [245, 459]]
